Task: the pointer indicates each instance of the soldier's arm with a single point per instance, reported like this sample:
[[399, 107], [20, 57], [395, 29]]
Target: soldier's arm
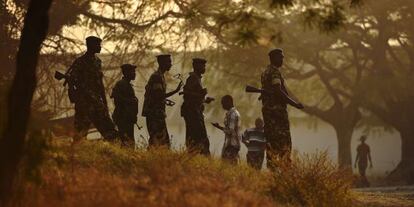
[[121, 93], [102, 92], [193, 88], [155, 87], [174, 91], [278, 87], [73, 73], [290, 100]]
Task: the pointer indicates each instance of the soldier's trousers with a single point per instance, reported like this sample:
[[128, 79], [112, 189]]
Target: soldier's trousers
[[157, 130], [255, 159], [277, 133], [196, 139], [126, 130], [96, 114]]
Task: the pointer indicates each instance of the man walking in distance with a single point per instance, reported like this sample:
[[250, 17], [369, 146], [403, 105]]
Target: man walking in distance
[[231, 146], [274, 100], [255, 142], [126, 104], [362, 158], [192, 110], [88, 93], [154, 104]]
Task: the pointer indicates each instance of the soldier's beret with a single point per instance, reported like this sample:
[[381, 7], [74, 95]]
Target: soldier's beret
[[163, 57], [275, 52], [125, 67], [93, 39], [199, 61]]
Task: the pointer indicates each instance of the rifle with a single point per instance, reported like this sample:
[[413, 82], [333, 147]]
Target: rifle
[[59, 76], [72, 91], [252, 89]]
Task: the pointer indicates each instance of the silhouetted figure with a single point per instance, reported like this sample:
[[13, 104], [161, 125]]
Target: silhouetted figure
[[255, 142], [362, 158], [231, 146], [88, 93], [274, 100], [126, 104], [155, 101], [192, 110]]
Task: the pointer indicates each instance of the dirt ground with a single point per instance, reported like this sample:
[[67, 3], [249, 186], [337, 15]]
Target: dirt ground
[[401, 196]]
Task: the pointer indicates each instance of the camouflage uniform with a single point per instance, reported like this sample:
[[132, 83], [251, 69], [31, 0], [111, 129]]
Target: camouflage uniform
[[154, 110], [90, 102], [275, 116], [126, 108], [192, 111]]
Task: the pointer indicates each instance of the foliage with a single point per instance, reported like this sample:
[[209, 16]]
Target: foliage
[[311, 180], [100, 173]]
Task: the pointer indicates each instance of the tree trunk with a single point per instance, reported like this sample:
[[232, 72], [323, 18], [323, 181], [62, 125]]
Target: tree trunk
[[405, 169], [21, 94], [344, 137]]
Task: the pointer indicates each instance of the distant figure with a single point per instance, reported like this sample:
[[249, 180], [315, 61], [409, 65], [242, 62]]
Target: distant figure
[[231, 146], [126, 104], [154, 103], [192, 110], [255, 142], [275, 100], [362, 158], [88, 93]]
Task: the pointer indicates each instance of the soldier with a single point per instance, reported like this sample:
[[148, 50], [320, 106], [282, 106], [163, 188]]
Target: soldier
[[275, 100], [154, 103], [126, 104], [362, 158], [88, 93], [192, 110]]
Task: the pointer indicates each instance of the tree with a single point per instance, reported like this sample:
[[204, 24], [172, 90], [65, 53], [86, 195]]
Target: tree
[[20, 96], [387, 45], [373, 68]]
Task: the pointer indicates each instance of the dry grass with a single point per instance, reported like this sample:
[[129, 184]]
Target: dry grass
[[311, 180], [103, 174]]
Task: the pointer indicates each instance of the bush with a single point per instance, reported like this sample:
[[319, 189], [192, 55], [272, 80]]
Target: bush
[[103, 174], [311, 180]]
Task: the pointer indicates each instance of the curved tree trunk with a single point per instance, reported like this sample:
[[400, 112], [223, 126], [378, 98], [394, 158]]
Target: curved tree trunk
[[405, 169], [344, 137], [21, 94]]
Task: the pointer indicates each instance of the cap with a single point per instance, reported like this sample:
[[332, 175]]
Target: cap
[[93, 39], [128, 67], [199, 61], [163, 57], [277, 51]]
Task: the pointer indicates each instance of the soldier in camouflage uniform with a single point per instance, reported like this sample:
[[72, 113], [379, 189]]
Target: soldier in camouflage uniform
[[192, 110], [154, 104], [126, 104], [89, 93], [274, 100]]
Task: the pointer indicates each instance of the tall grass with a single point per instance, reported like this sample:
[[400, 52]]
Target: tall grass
[[103, 174], [311, 180]]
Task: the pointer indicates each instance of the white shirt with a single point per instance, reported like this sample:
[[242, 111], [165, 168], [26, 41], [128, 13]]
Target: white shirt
[[231, 128]]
